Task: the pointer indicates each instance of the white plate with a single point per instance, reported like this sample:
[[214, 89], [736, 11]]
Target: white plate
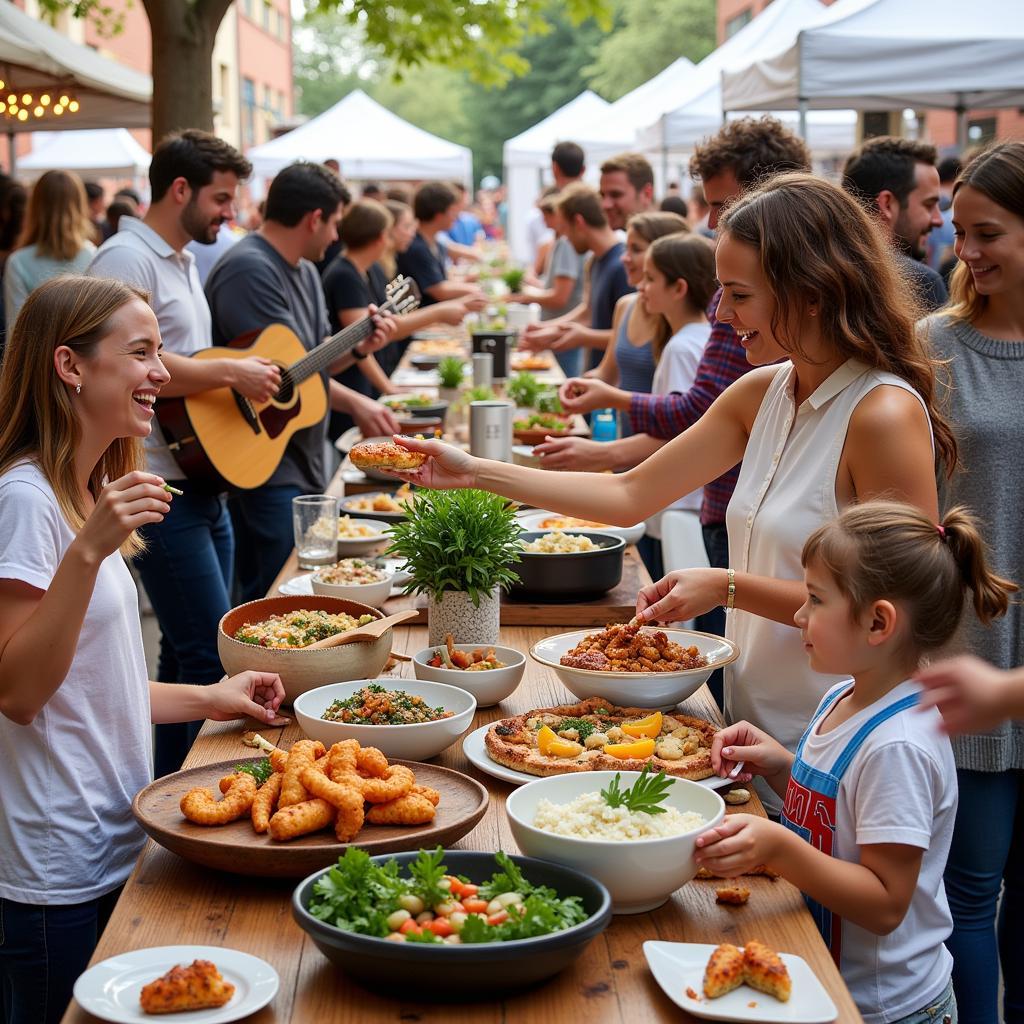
[[302, 586], [476, 753], [531, 520], [677, 966], [110, 989]]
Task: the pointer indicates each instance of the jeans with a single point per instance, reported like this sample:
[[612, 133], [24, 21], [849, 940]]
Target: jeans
[[186, 570], [942, 1011], [43, 950], [571, 361], [716, 543], [263, 529], [987, 855]]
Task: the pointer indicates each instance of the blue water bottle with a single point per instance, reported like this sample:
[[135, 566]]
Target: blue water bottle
[[604, 425]]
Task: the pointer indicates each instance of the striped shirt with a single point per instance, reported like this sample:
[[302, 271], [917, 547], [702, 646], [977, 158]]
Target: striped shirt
[[665, 416]]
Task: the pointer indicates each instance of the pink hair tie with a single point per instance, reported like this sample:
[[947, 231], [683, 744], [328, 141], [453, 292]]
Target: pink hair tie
[[941, 529]]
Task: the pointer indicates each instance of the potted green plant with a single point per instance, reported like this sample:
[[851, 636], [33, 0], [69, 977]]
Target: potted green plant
[[449, 372], [459, 547], [513, 279], [523, 389]]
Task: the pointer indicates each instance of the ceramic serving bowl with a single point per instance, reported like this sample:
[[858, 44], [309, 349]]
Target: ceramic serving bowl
[[413, 742], [466, 971], [489, 686], [403, 410], [640, 874], [301, 670], [374, 594], [573, 574], [636, 689], [535, 521]]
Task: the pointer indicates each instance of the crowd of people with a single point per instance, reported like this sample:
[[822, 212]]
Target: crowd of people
[[788, 362]]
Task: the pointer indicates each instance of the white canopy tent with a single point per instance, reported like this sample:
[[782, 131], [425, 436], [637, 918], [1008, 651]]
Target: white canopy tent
[[35, 59], [696, 112], [370, 142], [889, 55], [100, 152], [527, 161]]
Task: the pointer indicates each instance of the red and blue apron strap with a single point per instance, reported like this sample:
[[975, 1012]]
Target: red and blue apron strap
[[810, 806]]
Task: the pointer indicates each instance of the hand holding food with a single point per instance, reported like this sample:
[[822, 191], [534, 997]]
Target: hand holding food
[[256, 694], [446, 466], [585, 394], [683, 594], [199, 986], [760, 754], [123, 505], [738, 843], [385, 455], [578, 453]]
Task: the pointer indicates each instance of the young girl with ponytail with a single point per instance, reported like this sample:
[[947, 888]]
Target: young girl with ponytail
[[870, 795]]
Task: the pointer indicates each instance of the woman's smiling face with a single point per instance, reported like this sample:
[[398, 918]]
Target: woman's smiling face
[[989, 239]]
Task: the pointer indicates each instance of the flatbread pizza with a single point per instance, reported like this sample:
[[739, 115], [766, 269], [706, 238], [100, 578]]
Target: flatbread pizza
[[597, 736]]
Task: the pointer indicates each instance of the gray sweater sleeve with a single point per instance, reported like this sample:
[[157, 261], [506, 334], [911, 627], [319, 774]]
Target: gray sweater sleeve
[[986, 381]]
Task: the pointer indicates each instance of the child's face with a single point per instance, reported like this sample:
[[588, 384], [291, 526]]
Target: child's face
[[834, 641]]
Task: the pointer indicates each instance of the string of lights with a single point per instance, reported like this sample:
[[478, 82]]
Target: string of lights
[[16, 105]]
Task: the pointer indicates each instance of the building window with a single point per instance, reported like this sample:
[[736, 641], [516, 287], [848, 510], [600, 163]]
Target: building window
[[247, 8], [981, 130], [735, 23], [248, 112], [268, 10]]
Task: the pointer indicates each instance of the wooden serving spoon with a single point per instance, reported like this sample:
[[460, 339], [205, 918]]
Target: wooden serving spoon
[[371, 631]]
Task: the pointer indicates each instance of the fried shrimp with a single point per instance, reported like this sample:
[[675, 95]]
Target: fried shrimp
[[341, 758], [200, 807], [300, 819], [347, 800], [427, 792], [278, 759], [266, 799], [411, 809], [371, 761], [302, 755], [397, 781]]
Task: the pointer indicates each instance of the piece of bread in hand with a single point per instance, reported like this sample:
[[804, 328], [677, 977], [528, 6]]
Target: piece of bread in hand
[[765, 971], [724, 971], [385, 455]]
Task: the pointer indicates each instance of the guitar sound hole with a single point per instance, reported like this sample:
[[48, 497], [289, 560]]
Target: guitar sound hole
[[286, 392]]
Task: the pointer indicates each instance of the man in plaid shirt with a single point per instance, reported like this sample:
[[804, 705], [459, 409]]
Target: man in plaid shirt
[[742, 154]]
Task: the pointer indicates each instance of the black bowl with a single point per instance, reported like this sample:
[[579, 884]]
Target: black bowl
[[570, 576], [425, 362], [436, 408], [470, 971]]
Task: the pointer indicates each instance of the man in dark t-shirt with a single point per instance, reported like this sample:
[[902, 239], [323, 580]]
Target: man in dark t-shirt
[[269, 278]]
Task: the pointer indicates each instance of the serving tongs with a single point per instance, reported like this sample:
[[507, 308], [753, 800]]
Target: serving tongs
[[371, 631]]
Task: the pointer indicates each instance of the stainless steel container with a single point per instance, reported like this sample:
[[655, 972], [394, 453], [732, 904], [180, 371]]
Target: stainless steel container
[[483, 369], [490, 430]]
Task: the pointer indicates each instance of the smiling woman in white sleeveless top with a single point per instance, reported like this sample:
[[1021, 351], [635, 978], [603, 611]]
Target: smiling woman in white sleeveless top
[[807, 277]]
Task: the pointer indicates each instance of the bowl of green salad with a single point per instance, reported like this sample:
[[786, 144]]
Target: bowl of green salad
[[452, 924], [411, 719]]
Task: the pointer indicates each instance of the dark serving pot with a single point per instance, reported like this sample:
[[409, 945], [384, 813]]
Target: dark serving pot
[[570, 576], [470, 971], [499, 344]]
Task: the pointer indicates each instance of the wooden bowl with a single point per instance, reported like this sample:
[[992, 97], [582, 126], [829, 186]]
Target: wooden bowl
[[302, 670], [236, 848]]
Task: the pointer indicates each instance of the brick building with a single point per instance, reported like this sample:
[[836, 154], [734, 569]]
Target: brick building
[[939, 125]]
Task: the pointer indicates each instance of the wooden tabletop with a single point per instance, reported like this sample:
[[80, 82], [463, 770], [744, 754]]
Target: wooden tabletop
[[168, 900]]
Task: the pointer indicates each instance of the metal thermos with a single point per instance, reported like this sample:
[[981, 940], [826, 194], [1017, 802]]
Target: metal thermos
[[490, 430], [483, 369]]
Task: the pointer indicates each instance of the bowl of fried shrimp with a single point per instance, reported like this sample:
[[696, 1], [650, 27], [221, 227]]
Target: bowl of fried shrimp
[[412, 719], [633, 665], [269, 635]]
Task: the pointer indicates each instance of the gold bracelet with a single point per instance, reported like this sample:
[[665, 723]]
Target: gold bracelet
[[730, 601]]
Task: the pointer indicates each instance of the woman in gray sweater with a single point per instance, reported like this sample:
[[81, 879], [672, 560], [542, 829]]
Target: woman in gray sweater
[[981, 335]]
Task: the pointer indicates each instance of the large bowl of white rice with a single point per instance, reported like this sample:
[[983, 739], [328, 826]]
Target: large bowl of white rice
[[641, 858]]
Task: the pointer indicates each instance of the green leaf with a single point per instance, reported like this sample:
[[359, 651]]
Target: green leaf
[[644, 796]]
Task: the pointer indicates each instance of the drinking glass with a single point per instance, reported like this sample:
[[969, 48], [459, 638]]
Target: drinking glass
[[315, 519]]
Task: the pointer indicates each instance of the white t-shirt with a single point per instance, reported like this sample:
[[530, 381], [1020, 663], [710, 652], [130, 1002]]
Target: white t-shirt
[[899, 788], [676, 371], [66, 827]]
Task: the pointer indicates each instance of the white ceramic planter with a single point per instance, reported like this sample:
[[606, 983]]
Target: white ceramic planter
[[455, 613], [449, 395]]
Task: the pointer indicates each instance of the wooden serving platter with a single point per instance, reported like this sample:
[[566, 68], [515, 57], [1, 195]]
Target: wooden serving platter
[[237, 849]]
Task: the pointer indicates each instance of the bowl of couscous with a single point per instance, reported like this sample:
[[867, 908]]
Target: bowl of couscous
[[568, 565], [269, 635], [354, 579]]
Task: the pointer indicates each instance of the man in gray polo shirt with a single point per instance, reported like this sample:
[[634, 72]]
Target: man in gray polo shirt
[[187, 566]]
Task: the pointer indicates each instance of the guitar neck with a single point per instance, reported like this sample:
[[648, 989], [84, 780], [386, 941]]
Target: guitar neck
[[320, 358]]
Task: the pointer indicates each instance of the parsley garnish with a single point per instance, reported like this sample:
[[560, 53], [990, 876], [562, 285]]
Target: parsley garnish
[[581, 726], [644, 795], [259, 770]]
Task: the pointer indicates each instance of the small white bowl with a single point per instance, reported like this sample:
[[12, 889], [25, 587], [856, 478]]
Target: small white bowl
[[641, 874], [489, 687], [414, 742], [373, 594], [352, 546], [662, 690], [530, 521]]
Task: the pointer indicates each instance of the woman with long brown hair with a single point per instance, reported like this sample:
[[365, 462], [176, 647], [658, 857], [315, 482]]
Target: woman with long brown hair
[[806, 277], [56, 239], [980, 335], [77, 388]]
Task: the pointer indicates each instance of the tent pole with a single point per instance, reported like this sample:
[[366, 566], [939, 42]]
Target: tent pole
[[802, 126], [961, 122], [664, 155], [12, 153]]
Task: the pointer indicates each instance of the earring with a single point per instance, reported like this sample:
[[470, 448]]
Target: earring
[[78, 389]]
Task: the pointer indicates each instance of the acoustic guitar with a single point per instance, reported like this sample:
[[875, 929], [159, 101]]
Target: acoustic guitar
[[222, 439]]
